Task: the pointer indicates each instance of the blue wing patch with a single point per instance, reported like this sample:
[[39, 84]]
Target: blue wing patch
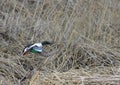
[[36, 48]]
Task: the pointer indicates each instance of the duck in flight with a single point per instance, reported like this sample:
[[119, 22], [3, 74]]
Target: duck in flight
[[36, 47]]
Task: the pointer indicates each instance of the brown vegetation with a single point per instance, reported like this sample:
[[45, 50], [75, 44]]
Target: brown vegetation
[[86, 35]]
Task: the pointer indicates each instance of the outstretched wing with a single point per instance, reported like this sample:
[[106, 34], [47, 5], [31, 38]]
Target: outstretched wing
[[36, 49]]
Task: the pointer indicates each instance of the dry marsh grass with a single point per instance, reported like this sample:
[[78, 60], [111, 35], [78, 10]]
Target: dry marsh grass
[[86, 36]]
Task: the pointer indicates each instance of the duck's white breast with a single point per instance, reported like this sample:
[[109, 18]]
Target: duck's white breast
[[36, 44]]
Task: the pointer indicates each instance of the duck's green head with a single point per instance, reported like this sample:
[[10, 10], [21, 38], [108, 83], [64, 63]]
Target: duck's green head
[[46, 43]]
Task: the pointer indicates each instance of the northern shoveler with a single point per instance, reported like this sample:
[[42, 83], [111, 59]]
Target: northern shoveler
[[36, 47]]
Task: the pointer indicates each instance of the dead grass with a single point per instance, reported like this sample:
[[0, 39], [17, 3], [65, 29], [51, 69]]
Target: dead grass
[[73, 77], [86, 36]]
